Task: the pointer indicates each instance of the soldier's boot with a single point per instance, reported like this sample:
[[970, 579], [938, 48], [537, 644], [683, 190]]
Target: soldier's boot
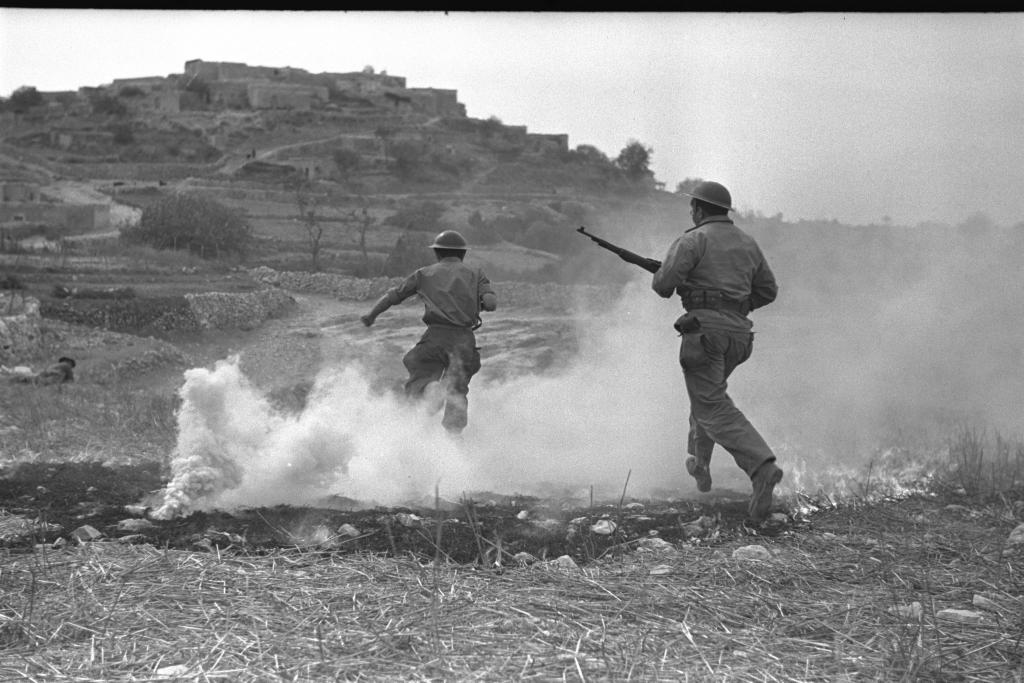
[[764, 481], [699, 470]]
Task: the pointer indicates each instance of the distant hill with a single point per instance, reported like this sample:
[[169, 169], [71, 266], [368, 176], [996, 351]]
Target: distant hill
[[364, 131], [255, 136]]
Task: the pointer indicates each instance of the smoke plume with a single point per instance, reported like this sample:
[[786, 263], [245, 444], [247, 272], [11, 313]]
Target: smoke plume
[[876, 353]]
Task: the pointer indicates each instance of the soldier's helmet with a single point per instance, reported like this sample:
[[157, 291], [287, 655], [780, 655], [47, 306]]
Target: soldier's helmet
[[712, 193], [449, 239]]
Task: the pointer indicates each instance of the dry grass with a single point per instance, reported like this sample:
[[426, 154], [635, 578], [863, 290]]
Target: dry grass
[[983, 465], [85, 422], [819, 610]]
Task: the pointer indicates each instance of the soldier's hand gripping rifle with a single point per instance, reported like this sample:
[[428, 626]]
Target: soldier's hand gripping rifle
[[648, 264]]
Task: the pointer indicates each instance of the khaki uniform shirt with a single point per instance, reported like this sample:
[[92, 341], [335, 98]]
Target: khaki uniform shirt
[[715, 255], [453, 293]]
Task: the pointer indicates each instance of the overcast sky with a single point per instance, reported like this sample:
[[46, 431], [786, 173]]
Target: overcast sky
[[814, 115]]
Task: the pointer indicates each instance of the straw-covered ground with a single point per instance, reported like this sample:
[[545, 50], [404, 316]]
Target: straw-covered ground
[[909, 590], [926, 586]]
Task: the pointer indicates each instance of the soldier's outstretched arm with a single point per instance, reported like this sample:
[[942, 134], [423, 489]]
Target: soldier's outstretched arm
[[393, 296], [383, 304]]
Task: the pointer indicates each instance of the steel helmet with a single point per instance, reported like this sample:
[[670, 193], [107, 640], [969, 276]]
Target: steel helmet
[[449, 239], [712, 193]]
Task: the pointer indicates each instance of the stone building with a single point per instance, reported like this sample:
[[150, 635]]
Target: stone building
[[145, 84], [17, 190], [150, 93], [234, 71], [542, 143], [233, 94], [437, 102], [311, 168], [63, 218], [265, 95], [366, 83], [400, 104]]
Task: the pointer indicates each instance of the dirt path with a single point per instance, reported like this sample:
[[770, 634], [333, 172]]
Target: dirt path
[[325, 332], [78, 192]]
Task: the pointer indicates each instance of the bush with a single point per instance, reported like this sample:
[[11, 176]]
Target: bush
[[407, 158], [106, 105], [346, 160], [24, 98], [194, 223], [123, 134], [411, 251], [425, 216]]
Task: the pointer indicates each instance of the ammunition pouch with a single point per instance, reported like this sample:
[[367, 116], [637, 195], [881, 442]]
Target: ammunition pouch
[[687, 324], [712, 300]]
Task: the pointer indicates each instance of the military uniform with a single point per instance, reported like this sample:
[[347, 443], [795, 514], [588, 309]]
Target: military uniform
[[453, 295], [60, 372], [721, 275]]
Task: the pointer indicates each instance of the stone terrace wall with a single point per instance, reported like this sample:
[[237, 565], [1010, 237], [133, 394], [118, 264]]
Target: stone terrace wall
[[517, 294], [216, 310], [136, 171], [20, 333], [209, 310]]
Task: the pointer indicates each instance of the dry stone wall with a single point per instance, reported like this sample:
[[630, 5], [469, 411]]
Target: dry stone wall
[[20, 332], [513, 294], [216, 310], [205, 311]]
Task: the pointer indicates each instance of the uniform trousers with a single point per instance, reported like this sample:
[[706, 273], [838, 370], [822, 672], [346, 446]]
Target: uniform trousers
[[708, 357], [449, 354]]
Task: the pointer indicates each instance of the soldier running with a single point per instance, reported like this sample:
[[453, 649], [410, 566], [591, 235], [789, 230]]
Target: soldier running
[[721, 275], [453, 295]]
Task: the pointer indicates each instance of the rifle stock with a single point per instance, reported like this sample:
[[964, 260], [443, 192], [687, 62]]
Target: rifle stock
[[648, 264]]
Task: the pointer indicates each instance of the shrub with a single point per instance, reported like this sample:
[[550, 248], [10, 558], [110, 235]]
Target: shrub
[[194, 223], [346, 160], [24, 98], [411, 251], [407, 158], [10, 281], [635, 159], [983, 466], [425, 216], [123, 134], [106, 105]]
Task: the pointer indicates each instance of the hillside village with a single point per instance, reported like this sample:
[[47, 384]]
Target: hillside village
[[261, 130]]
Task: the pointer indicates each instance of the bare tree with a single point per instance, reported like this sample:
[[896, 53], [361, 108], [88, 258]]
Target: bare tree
[[308, 203], [361, 220]]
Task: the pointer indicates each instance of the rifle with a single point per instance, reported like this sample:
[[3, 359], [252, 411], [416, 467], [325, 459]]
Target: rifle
[[647, 264]]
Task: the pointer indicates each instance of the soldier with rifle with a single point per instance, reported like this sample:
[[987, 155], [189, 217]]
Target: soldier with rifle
[[721, 275]]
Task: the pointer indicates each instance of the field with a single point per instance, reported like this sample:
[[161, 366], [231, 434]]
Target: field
[[883, 579]]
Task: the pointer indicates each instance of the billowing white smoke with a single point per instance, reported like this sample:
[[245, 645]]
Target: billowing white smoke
[[617, 412], [235, 450], [830, 388]]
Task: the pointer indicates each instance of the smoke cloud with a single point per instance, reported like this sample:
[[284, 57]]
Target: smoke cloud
[[881, 343]]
